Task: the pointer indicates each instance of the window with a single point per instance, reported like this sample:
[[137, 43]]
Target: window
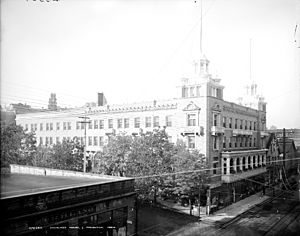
[[191, 119], [198, 91], [216, 116], [26, 127], [90, 124], [35, 127], [191, 141], [235, 142], [95, 141], [246, 124], [250, 142], [224, 121], [120, 123], [254, 142], [126, 123], [250, 125], [156, 121], [213, 92], [101, 124], [168, 121], [101, 141], [184, 92], [230, 123], [83, 125], [78, 125], [137, 122], [47, 126], [57, 126], [82, 141], [41, 141], [47, 141], [215, 167], [148, 121], [51, 126], [95, 124], [241, 141], [57, 140], [224, 142], [215, 142], [110, 123], [64, 125], [31, 127], [192, 89], [241, 124], [51, 140], [230, 142], [41, 126], [236, 123], [254, 126], [90, 141]]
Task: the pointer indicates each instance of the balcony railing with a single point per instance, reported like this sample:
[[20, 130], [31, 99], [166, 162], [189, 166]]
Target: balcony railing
[[198, 130], [215, 130], [229, 178], [242, 132], [264, 134]]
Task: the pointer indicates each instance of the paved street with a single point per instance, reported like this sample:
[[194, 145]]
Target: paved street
[[268, 216], [154, 221]]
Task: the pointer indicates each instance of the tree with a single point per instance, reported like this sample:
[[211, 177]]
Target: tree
[[17, 147], [28, 149], [147, 154], [67, 155], [114, 158]]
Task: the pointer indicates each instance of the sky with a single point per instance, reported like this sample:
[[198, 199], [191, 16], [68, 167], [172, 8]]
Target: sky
[[135, 51]]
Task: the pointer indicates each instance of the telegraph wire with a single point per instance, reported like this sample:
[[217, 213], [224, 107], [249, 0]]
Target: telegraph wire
[[22, 86], [197, 171]]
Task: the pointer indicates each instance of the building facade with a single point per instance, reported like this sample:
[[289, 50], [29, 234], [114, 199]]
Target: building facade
[[231, 136]]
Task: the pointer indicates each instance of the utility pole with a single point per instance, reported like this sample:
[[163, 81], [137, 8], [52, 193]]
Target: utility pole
[[199, 204], [283, 148], [84, 152]]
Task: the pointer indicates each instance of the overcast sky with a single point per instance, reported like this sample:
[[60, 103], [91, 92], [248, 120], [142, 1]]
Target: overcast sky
[[139, 50]]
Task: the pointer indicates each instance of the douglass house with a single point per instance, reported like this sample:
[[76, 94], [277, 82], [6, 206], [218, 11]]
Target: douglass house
[[232, 136]]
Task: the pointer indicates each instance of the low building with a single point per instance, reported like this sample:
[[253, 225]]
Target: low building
[[39, 201]]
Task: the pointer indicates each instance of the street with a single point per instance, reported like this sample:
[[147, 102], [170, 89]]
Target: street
[[275, 216]]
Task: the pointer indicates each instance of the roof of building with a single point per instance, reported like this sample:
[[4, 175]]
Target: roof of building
[[289, 145], [14, 185]]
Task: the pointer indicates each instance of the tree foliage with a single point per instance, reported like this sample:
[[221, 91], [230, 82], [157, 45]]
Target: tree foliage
[[17, 147], [151, 154], [67, 155]]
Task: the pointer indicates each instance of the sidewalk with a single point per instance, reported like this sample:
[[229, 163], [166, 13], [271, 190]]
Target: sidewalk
[[230, 211]]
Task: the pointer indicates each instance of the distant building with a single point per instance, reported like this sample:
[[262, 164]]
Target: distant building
[[59, 202], [52, 104], [232, 136], [20, 108]]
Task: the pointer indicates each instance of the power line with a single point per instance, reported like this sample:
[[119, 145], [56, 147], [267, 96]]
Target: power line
[[198, 170]]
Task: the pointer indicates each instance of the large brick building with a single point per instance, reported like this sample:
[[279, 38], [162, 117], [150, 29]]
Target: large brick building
[[231, 136]]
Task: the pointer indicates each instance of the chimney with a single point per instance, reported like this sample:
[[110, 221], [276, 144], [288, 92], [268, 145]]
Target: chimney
[[101, 99]]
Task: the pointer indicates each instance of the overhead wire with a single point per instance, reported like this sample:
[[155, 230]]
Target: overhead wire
[[198, 170]]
